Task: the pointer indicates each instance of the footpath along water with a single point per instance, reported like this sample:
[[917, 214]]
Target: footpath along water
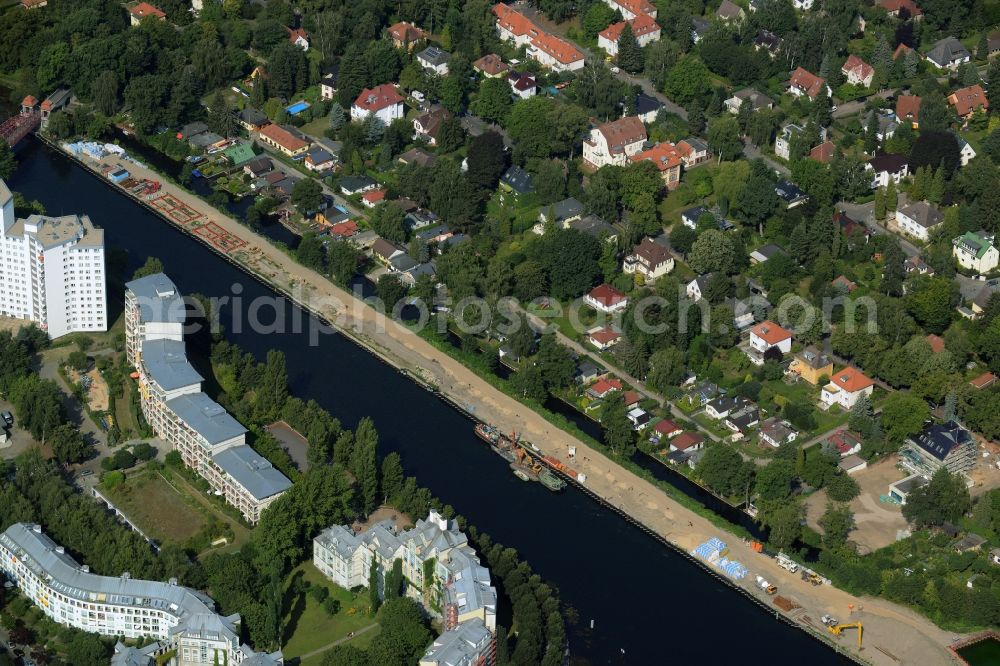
[[649, 604]]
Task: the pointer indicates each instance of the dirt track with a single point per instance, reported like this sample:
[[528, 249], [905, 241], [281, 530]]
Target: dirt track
[[911, 638]]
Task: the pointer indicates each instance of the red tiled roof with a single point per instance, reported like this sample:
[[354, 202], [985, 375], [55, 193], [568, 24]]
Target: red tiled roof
[[490, 64], [808, 82], [344, 229], [859, 67], [622, 132], [686, 440], [844, 440], [604, 336], [966, 100], [405, 32], [770, 332], [374, 196], [636, 7], [378, 98], [607, 295], [293, 35], [842, 280], [823, 152], [936, 342], [30, 100], [984, 380], [559, 49], [602, 386], [902, 49], [513, 21], [908, 106], [664, 155], [895, 5], [851, 379], [283, 137], [144, 9], [666, 426], [631, 397], [641, 25]]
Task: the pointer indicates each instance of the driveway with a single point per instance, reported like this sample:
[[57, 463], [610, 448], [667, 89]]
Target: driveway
[[752, 152], [851, 108]]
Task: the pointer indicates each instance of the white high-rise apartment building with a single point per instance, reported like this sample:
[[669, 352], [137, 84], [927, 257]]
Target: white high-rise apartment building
[[52, 270]]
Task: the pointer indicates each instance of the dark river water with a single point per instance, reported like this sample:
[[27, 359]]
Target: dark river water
[[648, 604]]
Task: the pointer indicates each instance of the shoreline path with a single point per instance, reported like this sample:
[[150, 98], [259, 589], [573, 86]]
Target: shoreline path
[[908, 637]]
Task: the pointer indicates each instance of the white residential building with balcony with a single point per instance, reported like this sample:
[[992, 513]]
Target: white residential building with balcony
[[52, 270], [614, 142], [209, 440], [182, 621]]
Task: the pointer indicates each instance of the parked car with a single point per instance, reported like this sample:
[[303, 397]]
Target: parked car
[[8, 418]]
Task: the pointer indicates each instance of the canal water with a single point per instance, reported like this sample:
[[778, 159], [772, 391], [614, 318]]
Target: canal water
[[648, 604]]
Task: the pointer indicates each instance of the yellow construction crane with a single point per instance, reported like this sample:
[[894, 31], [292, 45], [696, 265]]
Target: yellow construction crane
[[838, 629]]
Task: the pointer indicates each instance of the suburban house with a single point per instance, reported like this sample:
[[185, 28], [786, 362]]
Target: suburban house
[[808, 84], [919, 219], [144, 10], [383, 101], [491, 66], [908, 108], [857, 71], [298, 37], [845, 388], [418, 156], [385, 252], [319, 158], [426, 125], [602, 388], [902, 489], [687, 441], [516, 180], [639, 418], [757, 101], [592, 225], [522, 84], [649, 259], [561, 213], [372, 198], [975, 251], [768, 335], [885, 124], [886, 167], [983, 381], [251, 119], [741, 421], [768, 41], [666, 428], [513, 26], [603, 337], [696, 288], [765, 252], [693, 151], [966, 101], [902, 9], [614, 142], [258, 166], [843, 284], [328, 87], [283, 140], [966, 153], [776, 432], [729, 11], [647, 107], [812, 365], [606, 298], [947, 445], [845, 443], [643, 27], [790, 194], [629, 9], [555, 53], [667, 160], [690, 217], [783, 139], [824, 152], [434, 60], [723, 406], [405, 35], [849, 227], [351, 185], [948, 53]]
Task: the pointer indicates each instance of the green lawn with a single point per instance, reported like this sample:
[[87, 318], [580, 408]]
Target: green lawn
[[308, 627], [160, 509]]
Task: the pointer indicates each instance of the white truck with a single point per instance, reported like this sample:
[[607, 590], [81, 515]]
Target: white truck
[[786, 563]]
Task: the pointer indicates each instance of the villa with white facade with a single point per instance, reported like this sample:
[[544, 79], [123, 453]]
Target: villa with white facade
[[441, 570], [209, 440], [183, 622], [52, 270]]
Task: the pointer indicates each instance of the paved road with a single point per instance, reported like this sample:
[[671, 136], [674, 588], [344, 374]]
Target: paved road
[[752, 152], [850, 108]]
